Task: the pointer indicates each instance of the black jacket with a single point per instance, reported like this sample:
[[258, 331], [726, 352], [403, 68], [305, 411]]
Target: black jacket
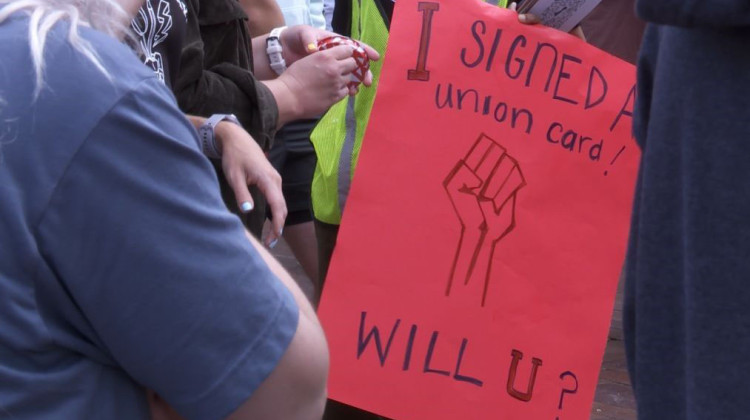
[[216, 78], [216, 69]]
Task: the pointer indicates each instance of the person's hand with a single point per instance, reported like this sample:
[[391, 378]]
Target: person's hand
[[244, 163], [531, 19], [299, 41], [311, 85]]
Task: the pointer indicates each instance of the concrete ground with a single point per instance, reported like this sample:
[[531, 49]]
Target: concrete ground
[[614, 397]]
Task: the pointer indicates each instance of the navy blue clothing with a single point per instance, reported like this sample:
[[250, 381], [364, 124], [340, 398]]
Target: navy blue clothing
[[120, 267], [687, 308]]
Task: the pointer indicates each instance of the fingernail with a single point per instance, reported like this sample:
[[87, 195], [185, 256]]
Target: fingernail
[[281, 232], [312, 47], [273, 243], [246, 206], [523, 18]]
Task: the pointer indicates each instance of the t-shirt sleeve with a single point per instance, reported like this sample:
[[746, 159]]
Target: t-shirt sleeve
[[689, 13], [163, 274]]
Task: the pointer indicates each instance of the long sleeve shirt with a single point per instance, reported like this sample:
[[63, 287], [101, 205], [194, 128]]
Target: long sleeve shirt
[[216, 69]]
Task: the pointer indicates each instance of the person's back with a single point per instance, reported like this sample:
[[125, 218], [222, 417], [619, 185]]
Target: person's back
[[121, 268], [44, 334]]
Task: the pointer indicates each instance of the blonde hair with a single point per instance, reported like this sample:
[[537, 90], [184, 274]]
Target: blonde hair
[[107, 16]]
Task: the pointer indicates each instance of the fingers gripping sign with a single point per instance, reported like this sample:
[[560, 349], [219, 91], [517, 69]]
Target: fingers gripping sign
[[482, 188]]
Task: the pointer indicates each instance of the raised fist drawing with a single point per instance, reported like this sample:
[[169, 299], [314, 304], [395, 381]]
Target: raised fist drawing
[[482, 188]]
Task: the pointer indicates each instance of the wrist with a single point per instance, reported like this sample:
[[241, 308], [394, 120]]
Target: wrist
[[288, 104], [212, 133], [275, 50], [223, 133]]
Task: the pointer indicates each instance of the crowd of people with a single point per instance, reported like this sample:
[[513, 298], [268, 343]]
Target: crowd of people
[[145, 144]]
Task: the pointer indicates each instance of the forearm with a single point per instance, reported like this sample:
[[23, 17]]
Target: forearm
[[203, 93], [229, 90], [465, 259], [198, 122], [286, 102], [262, 16], [296, 388]]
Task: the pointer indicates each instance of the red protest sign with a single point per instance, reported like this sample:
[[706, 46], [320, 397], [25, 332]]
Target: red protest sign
[[479, 253]]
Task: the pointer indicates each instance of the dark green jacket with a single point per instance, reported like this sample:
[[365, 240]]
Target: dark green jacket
[[216, 78]]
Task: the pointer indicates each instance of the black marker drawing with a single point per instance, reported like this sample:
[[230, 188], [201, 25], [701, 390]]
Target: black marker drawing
[[482, 188]]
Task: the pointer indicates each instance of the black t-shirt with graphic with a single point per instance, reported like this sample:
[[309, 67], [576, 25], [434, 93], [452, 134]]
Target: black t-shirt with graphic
[[160, 27]]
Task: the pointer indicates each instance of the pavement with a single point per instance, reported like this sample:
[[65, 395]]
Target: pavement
[[614, 398]]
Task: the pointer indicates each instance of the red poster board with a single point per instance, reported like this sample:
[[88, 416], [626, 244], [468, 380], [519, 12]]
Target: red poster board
[[480, 248]]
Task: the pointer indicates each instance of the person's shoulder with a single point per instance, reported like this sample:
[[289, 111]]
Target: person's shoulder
[[69, 72], [76, 95], [121, 70]]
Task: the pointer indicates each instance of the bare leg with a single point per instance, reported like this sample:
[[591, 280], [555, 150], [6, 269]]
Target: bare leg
[[326, 235]]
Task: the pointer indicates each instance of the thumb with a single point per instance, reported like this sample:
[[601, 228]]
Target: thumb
[[529, 19]]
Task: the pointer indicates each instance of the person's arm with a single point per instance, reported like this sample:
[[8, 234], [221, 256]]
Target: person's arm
[[304, 366], [313, 83], [301, 361], [314, 80], [317, 82], [720, 13], [244, 163], [297, 43], [175, 293], [262, 16], [224, 88]]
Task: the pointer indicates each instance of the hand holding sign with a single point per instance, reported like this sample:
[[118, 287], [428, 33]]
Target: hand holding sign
[[482, 188], [532, 19]]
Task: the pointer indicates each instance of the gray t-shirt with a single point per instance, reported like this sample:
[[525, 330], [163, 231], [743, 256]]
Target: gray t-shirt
[[120, 267]]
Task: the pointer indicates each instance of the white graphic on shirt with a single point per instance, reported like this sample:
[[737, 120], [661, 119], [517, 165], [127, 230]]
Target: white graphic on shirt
[[152, 28], [182, 7]]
